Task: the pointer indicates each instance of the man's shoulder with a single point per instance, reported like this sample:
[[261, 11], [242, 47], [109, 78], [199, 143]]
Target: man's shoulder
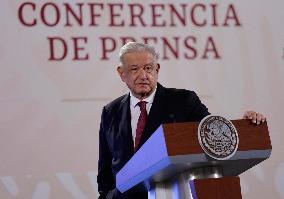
[[178, 92], [116, 103]]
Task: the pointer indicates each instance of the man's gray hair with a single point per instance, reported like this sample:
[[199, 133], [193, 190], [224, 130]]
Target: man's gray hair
[[131, 47]]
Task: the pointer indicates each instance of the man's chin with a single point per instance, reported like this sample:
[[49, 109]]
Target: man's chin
[[144, 92]]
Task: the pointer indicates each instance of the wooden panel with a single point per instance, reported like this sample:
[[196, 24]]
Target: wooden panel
[[217, 188], [252, 136], [182, 139]]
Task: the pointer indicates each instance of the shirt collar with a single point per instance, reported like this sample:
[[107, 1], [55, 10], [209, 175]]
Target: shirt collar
[[134, 100]]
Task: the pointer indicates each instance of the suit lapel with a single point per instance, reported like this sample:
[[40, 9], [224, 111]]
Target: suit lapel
[[124, 123], [156, 115]]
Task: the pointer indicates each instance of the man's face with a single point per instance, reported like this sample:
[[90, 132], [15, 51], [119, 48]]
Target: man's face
[[140, 73]]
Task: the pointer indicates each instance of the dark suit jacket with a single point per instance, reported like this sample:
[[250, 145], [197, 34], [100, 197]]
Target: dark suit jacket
[[116, 142]]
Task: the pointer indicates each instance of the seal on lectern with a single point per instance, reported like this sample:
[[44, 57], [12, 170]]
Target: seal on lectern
[[218, 137]]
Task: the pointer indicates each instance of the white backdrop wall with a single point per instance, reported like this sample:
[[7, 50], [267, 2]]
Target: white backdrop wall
[[58, 61]]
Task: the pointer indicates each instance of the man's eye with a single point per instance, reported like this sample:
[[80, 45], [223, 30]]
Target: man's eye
[[134, 69], [148, 68]]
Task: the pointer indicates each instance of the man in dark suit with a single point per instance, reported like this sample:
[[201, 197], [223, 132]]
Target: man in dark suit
[[128, 121]]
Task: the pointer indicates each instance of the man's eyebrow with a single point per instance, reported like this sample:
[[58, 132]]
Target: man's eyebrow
[[136, 65], [150, 63]]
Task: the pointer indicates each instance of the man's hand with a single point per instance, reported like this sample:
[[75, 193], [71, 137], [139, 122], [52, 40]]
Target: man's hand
[[255, 117]]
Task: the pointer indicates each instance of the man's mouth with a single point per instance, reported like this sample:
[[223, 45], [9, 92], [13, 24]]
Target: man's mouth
[[143, 83]]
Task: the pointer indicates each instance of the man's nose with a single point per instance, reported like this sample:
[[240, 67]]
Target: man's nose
[[142, 74]]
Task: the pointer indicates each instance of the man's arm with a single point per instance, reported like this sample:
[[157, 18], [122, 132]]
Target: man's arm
[[197, 110], [105, 177]]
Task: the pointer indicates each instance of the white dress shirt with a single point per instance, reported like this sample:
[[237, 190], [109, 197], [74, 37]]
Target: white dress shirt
[[135, 110]]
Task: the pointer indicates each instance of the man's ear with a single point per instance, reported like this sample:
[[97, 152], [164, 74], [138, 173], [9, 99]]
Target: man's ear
[[120, 72], [158, 68]]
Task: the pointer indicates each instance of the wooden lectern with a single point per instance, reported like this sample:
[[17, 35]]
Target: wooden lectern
[[172, 164]]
